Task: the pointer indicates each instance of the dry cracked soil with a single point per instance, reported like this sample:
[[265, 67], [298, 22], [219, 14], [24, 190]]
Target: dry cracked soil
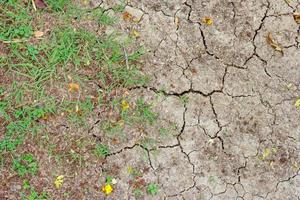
[[227, 94], [240, 98]]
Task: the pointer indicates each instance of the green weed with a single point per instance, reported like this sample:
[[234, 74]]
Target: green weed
[[152, 189], [25, 164], [32, 194], [14, 25], [101, 150]]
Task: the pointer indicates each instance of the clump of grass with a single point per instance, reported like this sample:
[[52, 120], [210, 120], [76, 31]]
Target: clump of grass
[[41, 66], [101, 150], [14, 25], [25, 164], [30, 193], [152, 189]]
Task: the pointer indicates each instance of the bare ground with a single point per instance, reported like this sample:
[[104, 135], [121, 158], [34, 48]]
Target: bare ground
[[240, 95]]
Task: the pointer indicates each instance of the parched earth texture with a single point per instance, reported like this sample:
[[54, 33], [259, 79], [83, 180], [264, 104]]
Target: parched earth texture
[[229, 96], [241, 95]]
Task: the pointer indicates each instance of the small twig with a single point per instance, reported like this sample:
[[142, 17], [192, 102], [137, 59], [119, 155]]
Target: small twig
[[33, 5], [12, 41]]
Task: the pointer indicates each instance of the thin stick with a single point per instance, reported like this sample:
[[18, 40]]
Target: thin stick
[[13, 41], [33, 5]]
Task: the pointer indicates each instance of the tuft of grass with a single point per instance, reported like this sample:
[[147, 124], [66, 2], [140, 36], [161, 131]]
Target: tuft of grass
[[152, 189], [101, 150], [15, 25], [29, 192], [25, 164], [58, 5]]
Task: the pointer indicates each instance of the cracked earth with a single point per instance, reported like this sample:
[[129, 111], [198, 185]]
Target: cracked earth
[[224, 95], [240, 92]]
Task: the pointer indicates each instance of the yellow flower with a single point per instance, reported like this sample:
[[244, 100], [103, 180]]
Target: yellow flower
[[207, 21], [59, 181], [124, 105], [297, 103], [107, 189]]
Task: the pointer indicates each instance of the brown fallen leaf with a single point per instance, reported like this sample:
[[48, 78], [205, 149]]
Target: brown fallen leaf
[[207, 21], [40, 4], [73, 87], [38, 34], [176, 22], [127, 16], [135, 33], [297, 17], [273, 44]]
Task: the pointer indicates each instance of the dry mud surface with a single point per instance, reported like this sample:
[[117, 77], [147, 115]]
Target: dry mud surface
[[238, 134], [226, 97]]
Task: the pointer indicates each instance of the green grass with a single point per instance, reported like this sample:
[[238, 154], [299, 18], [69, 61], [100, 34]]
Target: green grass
[[152, 189], [39, 70], [101, 150], [14, 25], [29, 193], [25, 164]]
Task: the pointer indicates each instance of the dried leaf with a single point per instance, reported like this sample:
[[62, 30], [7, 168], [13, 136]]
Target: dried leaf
[[297, 103], [73, 87], [135, 33], [127, 16], [297, 17], [38, 34], [176, 22], [266, 153], [273, 44], [40, 4], [289, 86], [207, 21]]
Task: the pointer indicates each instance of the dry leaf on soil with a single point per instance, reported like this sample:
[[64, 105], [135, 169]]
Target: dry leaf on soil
[[177, 22], [297, 103], [297, 17], [73, 87], [40, 4], [127, 16], [207, 20], [38, 34], [135, 33], [273, 44]]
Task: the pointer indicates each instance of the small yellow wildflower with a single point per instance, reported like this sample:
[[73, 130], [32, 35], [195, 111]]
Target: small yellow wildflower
[[207, 20], [297, 103], [107, 189], [59, 181], [124, 105]]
